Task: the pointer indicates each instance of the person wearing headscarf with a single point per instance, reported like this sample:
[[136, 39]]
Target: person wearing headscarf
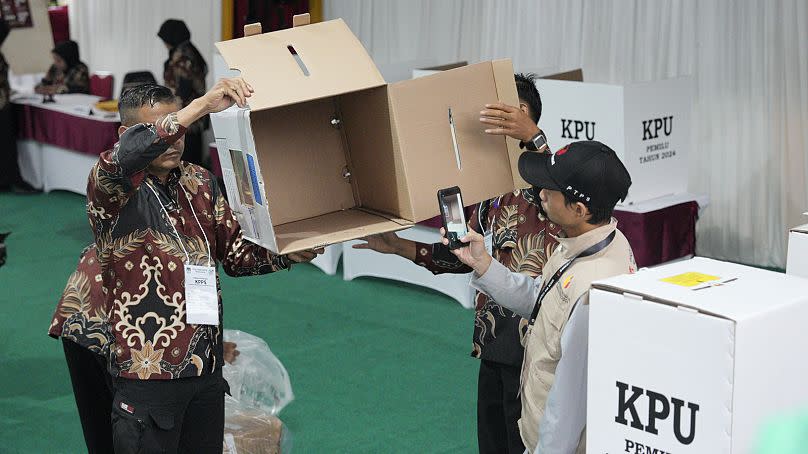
[[10, 178], [184, 73], [67, 74]]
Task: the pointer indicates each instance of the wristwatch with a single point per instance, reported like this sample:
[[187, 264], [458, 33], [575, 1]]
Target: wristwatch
[[537, 143]]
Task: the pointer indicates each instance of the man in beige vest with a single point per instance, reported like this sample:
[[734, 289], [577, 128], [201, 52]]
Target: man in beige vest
[[581, 184]]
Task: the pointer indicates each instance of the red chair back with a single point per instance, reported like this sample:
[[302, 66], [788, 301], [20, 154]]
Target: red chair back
[[101, 86]]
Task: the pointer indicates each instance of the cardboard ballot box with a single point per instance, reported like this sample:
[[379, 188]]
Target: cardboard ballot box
[[797, 259], [249, 431], [428, 71], [693, 357], [328, 152], [647, 124]]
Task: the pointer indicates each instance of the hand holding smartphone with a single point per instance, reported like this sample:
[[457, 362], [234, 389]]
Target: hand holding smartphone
[[453, 216]]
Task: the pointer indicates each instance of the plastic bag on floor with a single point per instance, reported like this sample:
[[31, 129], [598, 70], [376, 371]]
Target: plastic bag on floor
[[256, 377], [252, 431]]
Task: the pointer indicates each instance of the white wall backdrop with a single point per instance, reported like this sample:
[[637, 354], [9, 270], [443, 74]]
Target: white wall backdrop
[[120, 36], [749, 59]]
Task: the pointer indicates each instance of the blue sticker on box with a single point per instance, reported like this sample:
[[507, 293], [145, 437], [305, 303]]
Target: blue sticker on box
[[254, 179]]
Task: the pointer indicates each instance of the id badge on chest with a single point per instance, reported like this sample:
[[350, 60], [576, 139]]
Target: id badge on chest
[[489, 242], [201, 299]]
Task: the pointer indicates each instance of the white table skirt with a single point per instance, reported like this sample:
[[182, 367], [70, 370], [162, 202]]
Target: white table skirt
[[52, 168], [362, 262], [329, 261]]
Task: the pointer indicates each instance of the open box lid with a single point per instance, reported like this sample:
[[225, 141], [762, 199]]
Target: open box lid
[[722, 289], [441, 142], [335, 60]]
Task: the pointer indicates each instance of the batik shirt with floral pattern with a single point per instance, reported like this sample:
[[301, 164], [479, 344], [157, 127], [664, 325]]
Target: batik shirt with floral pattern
[[74, 80], [522, 241], [142, 257], [81, 314]]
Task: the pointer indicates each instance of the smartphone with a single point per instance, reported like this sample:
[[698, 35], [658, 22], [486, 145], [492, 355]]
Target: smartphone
[[454, 218]]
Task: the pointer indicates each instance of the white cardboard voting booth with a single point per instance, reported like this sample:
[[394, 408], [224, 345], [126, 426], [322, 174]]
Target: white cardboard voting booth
[[797, 259], [693, 357], [647, 124]]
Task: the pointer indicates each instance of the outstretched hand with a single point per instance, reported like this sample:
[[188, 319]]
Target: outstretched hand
[[305, 256], [386, 243]]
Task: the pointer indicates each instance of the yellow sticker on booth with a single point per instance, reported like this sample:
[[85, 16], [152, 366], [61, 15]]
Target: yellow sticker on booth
[[691, 279]]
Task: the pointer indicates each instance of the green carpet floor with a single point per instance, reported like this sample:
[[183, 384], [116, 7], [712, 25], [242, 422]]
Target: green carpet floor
[[376, 366]]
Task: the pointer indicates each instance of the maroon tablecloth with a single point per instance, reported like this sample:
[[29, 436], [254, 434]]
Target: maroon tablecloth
[[84, 135], [662, 235]]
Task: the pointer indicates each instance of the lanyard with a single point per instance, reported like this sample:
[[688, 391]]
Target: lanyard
[[548, 285], [168, 219]]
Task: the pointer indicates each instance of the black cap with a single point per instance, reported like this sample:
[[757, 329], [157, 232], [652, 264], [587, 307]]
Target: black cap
[[588, 171]]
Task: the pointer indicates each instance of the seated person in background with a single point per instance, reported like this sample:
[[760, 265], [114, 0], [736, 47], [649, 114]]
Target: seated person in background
[[67, 74]]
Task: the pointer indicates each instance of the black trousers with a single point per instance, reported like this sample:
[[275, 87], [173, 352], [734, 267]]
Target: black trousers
[[92, 388], [498, 409], [185, 415], [9, 167]]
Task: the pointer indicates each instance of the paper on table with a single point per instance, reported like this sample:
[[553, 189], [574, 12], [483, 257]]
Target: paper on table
[[690, 279]]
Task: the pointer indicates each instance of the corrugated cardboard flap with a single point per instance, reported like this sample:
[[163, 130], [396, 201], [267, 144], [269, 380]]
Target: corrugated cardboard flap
[[440, 141], [744, 292], [506, 91], [334, 58], [333, 228]]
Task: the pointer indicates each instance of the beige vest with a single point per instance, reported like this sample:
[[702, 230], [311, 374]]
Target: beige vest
[[543, 340]]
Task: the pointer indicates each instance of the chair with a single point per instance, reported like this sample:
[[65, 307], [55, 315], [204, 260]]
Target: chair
[[133, 79], [101, 84]]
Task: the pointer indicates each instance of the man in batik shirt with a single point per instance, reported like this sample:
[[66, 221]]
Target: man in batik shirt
[[80, 322], [67, 74], [184, 73], [154, 217], [521, 240]]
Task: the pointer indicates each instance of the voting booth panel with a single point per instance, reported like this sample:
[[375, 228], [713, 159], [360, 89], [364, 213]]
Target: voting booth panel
[[647, 124]]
